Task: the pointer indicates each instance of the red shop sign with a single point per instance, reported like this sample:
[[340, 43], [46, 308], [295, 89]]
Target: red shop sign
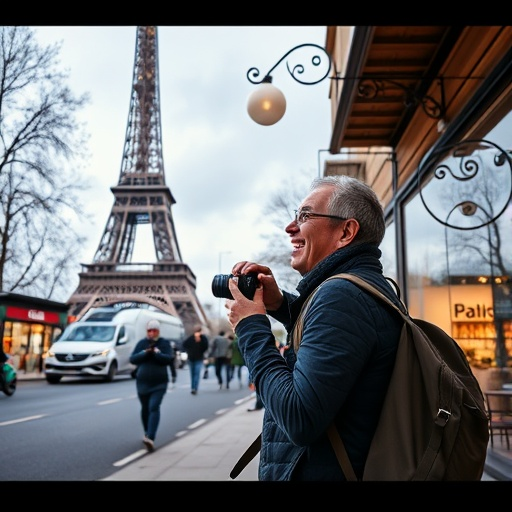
[[32, 315]]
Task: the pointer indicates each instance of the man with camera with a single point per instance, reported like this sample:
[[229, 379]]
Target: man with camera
[[338, 369], [152, 355]]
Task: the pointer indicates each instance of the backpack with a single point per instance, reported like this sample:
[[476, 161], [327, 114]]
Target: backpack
[[433, 424]]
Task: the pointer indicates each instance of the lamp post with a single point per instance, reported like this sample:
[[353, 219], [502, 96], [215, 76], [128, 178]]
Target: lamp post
[[220, 272], [266, 105]]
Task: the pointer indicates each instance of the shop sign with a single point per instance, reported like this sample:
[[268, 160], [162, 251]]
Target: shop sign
[[480, 312], [32, 315], [471, 303]]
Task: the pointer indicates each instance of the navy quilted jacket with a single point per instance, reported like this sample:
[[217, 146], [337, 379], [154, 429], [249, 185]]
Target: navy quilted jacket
[[341, 371], [152, 373]]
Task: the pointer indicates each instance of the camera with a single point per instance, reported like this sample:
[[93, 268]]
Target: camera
[[247, 284]]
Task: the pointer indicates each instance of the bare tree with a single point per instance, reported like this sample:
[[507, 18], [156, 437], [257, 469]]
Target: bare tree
[[482, 249], [42, 147], [280, 208]]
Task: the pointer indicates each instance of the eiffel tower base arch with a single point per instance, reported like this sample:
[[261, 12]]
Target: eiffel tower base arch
[[167, 286]]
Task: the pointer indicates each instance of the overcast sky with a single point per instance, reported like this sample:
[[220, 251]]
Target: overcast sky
[[219, 164]]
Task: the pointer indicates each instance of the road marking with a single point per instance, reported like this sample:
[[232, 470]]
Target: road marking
[[196, 424], [130, 458], [244, 399], [28, 418], [111, 401]]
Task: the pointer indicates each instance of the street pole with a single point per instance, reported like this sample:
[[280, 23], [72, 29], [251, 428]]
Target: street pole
[[220, 272]]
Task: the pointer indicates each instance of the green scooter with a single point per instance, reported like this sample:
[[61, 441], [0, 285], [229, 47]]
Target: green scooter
[[8, 379]]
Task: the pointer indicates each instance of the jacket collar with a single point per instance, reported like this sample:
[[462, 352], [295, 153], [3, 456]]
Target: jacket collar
[[354, 259]]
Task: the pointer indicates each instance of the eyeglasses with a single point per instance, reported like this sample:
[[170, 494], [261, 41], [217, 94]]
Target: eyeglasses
[[302, 216]]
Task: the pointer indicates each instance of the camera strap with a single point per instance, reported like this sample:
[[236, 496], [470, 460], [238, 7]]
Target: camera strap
[[246, 457]]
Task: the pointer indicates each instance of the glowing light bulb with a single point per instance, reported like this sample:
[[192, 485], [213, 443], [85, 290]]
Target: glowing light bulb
[[266, 105]]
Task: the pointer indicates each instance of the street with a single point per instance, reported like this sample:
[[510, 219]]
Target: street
[[85, 430]]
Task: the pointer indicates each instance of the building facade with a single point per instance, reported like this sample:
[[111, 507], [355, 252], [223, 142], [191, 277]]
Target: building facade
[[423, 115], [28, 326]]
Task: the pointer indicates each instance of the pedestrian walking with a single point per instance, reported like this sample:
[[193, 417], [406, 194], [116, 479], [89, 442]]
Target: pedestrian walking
[[340, 372], [220, 352], [174, 363], [152, 355], [237, 361], [196, 345]]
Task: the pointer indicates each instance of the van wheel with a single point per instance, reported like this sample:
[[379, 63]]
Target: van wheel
[[112, 371], [53, 379]]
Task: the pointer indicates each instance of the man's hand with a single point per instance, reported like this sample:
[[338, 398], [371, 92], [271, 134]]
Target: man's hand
[[241, 307]]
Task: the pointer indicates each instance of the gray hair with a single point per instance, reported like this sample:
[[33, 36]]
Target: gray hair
[[353, 199]]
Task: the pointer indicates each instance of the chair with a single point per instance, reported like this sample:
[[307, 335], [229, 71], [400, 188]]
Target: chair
[[499, 408]]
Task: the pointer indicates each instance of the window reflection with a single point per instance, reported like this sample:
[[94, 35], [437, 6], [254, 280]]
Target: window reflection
[[460, 278], [388, 248]]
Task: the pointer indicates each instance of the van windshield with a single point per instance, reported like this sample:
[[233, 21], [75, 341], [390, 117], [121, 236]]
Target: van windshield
[[88, 333]]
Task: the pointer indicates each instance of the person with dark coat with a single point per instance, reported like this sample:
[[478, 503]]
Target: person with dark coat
[[341, 369], [174, 362], [152, 355], [196, 345], [220, 352], [237, 361]]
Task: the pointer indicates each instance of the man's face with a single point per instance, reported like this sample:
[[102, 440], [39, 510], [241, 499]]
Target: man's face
[[153, 334], [317, 237]]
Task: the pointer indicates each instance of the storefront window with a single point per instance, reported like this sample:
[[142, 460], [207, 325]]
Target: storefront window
[[459, 248], [27, 343]]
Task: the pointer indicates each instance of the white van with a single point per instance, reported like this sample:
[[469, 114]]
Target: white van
[[100, 344]]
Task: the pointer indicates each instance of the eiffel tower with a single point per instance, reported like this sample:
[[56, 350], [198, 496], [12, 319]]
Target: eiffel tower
[[141, 197]]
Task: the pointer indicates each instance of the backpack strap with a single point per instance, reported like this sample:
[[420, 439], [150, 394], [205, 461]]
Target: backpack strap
[[374, 291], [341, 453]]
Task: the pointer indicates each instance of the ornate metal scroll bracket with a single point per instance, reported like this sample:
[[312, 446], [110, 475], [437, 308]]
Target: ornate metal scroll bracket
[[370, 88], [296, 71], [470, 183]]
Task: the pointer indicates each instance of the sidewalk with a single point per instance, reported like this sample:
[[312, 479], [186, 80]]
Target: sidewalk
[[205, 454], [209, 452]]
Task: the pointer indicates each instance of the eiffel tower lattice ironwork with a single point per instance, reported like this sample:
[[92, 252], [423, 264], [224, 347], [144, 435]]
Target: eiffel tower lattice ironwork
[[141, 197]]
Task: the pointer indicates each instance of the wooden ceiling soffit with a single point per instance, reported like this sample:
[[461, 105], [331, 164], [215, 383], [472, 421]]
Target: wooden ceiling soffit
[[389, 71]]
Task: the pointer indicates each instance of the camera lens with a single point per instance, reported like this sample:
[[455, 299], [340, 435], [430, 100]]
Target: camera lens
[[246, 284], [220, 287]]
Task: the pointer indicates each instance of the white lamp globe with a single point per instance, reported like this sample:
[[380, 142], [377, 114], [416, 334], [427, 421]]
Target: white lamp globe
[[266, 105]]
